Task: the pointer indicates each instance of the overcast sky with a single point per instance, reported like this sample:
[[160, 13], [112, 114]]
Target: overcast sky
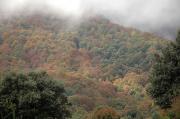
[[156, 16]]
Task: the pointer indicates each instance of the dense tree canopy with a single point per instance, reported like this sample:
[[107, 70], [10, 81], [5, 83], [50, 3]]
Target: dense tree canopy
[[165, 77], [104, 113], [104, 49], [32, 95], [85, 56]]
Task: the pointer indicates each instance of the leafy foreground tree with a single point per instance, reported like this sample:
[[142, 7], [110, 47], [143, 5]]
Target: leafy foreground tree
[[165, 77], [32, 96]]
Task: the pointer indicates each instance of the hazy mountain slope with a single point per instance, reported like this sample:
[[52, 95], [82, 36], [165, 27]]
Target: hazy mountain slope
[[94, 48], [85, 55]]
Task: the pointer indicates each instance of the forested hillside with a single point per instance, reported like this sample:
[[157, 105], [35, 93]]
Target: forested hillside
[[105, 50], [101, 64]]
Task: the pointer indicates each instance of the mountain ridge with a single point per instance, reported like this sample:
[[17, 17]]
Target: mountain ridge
[[90, 35], [99, 62]]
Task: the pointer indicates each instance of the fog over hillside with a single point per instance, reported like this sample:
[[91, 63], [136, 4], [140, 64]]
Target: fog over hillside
[[156, 16]]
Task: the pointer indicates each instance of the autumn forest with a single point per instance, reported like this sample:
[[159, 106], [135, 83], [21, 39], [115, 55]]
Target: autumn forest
[[59, 68]]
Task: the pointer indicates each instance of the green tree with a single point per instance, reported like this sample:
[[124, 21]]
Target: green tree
[[1, 39], [32, 96], [165, 77]]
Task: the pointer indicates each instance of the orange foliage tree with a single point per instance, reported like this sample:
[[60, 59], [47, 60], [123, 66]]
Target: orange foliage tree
[[104, 113]]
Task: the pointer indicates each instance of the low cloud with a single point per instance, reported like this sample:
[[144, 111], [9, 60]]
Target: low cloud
[[157, 16]]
